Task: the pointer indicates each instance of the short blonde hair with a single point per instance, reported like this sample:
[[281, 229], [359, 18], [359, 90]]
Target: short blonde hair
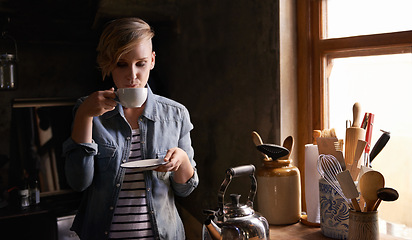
[[118, 38]]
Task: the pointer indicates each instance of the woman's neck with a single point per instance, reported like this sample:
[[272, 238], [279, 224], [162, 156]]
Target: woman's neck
[[132, 116]]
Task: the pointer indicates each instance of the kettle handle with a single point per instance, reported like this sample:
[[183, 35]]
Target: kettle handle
[[237, 172], [241, 170]]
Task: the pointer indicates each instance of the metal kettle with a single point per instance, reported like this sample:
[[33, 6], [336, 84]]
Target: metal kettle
[[235, 220]]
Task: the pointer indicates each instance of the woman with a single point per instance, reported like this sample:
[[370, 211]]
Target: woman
[[121, 203]]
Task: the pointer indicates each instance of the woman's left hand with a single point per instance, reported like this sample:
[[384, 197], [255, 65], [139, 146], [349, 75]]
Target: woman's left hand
[[178, 162], [174, 158]]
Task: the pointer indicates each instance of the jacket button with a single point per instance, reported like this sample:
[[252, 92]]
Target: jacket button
[[111, 208], [128, 138], [118, 185], [148, 189]]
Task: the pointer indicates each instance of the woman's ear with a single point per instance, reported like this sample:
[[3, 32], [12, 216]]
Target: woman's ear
[[153, 60]]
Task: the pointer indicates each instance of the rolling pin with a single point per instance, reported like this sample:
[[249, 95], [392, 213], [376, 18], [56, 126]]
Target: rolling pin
[[353, 134]]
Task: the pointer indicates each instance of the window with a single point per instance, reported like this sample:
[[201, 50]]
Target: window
[[360, 51], [354, 18]]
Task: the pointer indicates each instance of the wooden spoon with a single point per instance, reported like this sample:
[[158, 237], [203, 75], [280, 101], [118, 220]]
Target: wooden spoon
[[288, 144], [257, 140], [386, 194], [369, 184]]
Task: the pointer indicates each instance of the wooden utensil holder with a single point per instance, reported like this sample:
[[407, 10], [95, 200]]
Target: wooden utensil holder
[[363, 225]]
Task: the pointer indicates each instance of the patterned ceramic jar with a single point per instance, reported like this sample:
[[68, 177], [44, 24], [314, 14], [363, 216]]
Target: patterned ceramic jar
[[334, 212]]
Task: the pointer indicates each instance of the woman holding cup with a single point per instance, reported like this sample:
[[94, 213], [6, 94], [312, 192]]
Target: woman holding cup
[[124, 203]]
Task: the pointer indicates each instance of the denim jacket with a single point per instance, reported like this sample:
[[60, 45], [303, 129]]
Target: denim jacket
[[95, 167]]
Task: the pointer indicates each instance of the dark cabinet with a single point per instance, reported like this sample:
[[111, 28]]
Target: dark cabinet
[[39, 128], [50, 220]]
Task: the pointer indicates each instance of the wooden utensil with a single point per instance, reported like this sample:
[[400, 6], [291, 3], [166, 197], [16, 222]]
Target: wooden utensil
[[339, 145], [288, 144], [315, 134], [257, 140], [355, 166], [328, 132], [369, 184], [363, 169], [349, 188], [326, 146], [386, 194], [353, 134]]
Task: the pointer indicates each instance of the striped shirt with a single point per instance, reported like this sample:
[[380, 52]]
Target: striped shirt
[[131, 218]]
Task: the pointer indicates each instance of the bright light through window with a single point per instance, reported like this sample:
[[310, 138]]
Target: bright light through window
[[360, 17], [382, 85]]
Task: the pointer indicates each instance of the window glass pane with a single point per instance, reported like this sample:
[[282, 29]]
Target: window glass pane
[[362, 17], [382, 85]]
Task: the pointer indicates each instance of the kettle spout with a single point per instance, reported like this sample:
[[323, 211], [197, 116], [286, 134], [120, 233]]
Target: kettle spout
[[213, 229]]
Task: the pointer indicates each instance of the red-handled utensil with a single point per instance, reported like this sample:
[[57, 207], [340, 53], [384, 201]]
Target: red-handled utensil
[[369, 129], [368, 137]]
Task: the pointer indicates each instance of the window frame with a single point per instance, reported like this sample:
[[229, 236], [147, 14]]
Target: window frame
[[314, 52]]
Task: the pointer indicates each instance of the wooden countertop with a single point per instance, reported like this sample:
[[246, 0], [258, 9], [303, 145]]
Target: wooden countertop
[[300, 231]]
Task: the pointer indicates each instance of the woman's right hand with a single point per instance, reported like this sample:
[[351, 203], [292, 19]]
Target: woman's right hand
[[98, 103], [94, 105]]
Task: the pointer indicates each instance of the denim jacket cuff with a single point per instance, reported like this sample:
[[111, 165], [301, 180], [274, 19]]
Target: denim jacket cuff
[[89, 148], [184, 189]]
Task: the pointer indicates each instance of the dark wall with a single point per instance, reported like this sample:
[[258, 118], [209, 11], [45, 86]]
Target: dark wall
[[228, 76], [218, 58]]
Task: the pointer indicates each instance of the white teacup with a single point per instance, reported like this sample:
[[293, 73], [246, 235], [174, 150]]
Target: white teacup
[[131, 97]]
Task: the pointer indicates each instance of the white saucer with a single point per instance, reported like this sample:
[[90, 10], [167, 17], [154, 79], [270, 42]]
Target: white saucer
[[144, 165]]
